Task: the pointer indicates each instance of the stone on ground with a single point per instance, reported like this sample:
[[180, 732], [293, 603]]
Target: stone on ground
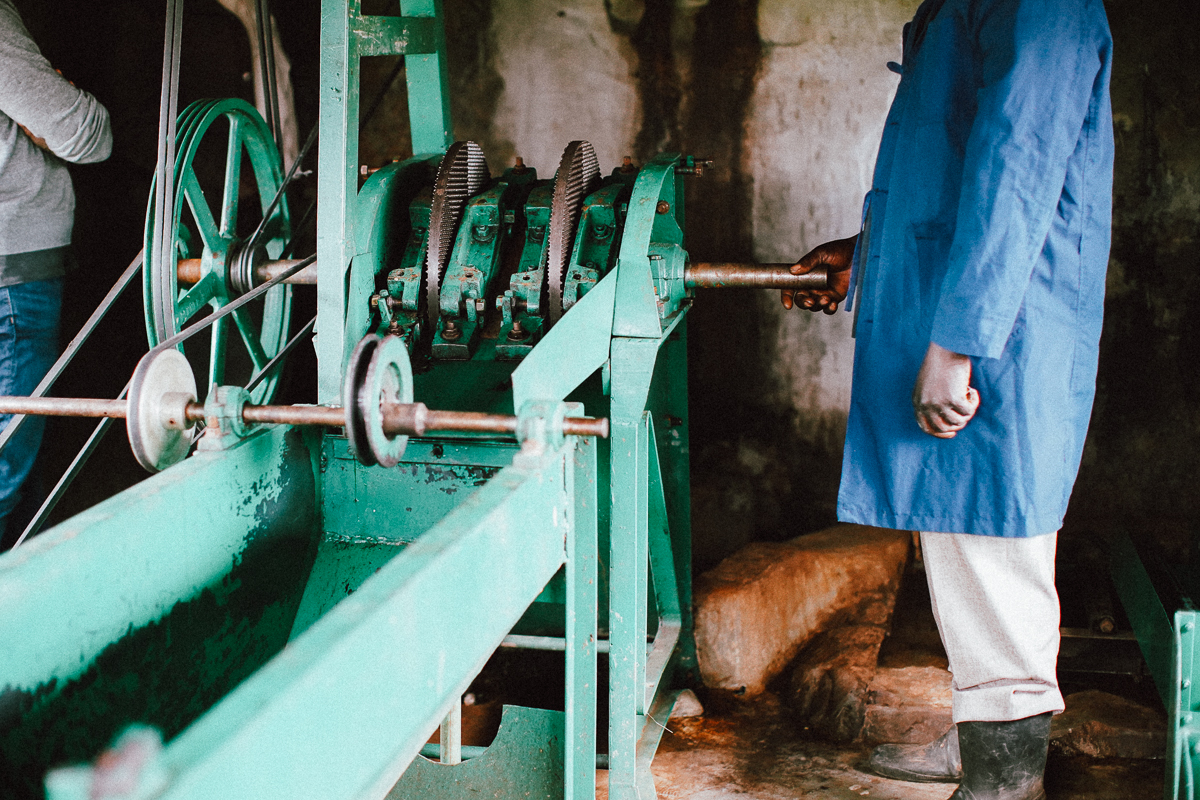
[[1103, 725], [761, 606], [907, 705], [687, 706], [830, 681]]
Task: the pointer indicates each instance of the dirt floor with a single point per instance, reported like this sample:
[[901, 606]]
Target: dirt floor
[[755, 751]]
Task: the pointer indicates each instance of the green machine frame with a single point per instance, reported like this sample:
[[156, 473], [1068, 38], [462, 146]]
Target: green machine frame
[[271, 618], [1165, 621]]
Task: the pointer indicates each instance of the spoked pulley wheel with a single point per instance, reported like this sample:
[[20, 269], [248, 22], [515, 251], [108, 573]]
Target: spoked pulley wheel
[[462, 174], [218, 206], [578, 175]]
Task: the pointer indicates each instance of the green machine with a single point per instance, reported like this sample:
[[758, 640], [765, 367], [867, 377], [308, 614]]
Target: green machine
[[498, 458]]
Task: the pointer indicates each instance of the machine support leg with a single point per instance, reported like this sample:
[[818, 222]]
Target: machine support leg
[[629, 577], [450, 736], [581, 630]]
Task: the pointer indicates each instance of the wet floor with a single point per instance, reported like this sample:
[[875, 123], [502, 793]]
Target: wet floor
[[755, 751]]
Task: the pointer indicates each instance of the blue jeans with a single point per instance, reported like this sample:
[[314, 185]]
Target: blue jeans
[[29, 321]]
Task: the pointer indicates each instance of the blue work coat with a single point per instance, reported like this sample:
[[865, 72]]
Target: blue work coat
[[986, 231]]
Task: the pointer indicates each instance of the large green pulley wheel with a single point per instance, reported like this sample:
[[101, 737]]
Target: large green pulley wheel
[[217, 207]]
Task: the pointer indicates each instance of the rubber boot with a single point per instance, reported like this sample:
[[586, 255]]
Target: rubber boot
[[936, 762], [1003, 760]]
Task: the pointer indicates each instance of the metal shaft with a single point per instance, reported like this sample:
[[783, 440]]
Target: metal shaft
[[63, 407], [189, 271], [723, 274], [408, 419]]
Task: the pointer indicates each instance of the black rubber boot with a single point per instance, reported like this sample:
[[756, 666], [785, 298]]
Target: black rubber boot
[[936, 762], [1003, 760]]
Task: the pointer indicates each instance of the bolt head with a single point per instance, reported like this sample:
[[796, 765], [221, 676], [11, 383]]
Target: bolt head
[[663, 207]]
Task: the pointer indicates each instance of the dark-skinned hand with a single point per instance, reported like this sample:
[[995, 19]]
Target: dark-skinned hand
[[835, 256], [943, 399]]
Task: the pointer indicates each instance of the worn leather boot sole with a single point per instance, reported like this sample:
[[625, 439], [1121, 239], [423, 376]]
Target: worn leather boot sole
[[936, 762]]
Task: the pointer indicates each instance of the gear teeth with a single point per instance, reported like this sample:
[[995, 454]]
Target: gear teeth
[[461, 175], [577, 176]]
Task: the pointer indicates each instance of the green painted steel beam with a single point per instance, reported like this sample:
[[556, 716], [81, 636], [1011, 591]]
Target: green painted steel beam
[[71, 592], [346, 37], [153, 604], [428, 81], [1150, 621], [582, 687], [628, 593], [337, 187], [572, 350], [1183, 727], [344, 709], [396, 36]]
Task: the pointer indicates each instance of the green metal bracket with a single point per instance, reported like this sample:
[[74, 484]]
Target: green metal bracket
[[654, 207], [474, 262], [522, 302], [382, 224], [223, 423]]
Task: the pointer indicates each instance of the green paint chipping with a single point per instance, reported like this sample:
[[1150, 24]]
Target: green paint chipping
[[170, 671]]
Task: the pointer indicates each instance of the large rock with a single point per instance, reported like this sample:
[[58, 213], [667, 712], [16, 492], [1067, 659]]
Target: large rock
[[1103, 725], [758, 608], [831, 679], [907, 705]]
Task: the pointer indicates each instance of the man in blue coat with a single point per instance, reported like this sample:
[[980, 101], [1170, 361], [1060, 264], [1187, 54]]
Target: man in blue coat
[[977, 285]]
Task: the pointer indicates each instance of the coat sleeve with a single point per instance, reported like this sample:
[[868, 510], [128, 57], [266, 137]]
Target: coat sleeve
[[1037, 63], [74, 124]]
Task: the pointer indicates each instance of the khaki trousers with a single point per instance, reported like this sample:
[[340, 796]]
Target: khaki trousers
[[997, 612]]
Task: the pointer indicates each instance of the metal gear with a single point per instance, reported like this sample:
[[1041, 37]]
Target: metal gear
[[577, 176], [461, 175]]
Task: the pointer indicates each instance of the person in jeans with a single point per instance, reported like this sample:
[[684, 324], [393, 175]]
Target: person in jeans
[[45, 121], [977, 285]]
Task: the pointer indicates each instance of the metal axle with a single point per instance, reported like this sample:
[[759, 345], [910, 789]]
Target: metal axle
[[189, 271], [702, 275], [399, 419], [724, 275]]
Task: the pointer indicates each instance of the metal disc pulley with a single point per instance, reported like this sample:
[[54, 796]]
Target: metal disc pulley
[[462, 174], [578, 175], [161, 387], [379, 373], [216, 234]]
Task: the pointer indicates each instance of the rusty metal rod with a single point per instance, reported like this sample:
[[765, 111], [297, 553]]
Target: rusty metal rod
[[724, 274], [63, 407], [409, 419], [189, 271]]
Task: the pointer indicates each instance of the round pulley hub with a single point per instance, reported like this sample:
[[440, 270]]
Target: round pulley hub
[[461, 175], [577, 177], [379, 372], [156, 421]]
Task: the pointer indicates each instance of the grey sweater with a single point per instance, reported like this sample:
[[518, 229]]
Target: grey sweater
[[37, 203]]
